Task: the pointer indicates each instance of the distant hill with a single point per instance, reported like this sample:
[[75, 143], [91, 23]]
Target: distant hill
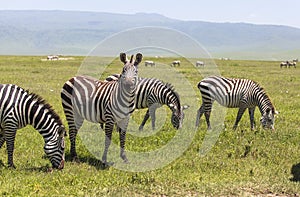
[[74, 32]]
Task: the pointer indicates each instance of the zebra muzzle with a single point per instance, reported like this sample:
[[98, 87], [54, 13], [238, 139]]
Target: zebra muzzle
[[61, 165]]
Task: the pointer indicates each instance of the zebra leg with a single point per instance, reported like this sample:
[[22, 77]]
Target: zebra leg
[[207, 116], [200, 112], [122, 135], [10, 142], [74, 126], [251, 115], [72, 136], [146, 117], [122, 127], [239, 116], [2, 139], [152, 110], [108, 133]]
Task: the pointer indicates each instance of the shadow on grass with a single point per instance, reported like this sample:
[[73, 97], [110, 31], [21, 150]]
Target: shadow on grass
[[295, 172], [98, 164], [2, 164]]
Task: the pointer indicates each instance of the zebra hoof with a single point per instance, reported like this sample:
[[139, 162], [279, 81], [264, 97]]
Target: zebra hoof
[[141, 128], [107, 164], [11, 166], [76, 159]]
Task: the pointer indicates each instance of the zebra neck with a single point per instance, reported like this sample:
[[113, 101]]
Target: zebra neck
[[122, 102], [171, 98], [43, 119], [263, 102]]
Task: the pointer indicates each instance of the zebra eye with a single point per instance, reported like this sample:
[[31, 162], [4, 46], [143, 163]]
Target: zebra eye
[[62, 143]]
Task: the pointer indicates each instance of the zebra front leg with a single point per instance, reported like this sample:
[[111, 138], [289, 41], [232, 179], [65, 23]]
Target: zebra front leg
[[122, 127], [122, 135], [239, 116], [146, 117], [152, 110], [108, 133], [10, 142], [251, 115], [2, 139]]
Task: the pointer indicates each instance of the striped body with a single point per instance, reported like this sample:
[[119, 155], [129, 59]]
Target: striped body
[[85, 98], [235, 93], [152, 93], [19, 108]]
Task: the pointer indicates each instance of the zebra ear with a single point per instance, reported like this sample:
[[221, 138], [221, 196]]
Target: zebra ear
[[123, 57], [138, 59]]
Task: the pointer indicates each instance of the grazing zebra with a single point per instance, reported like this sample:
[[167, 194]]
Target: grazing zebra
[[292, 63], [101, 102], [175, 62], [19, 108], [235, 93], [199, 63], [284, 64], [152, 93], [150, 63]]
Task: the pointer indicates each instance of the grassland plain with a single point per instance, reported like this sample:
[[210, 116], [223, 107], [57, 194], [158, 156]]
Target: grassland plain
[[241, 163]]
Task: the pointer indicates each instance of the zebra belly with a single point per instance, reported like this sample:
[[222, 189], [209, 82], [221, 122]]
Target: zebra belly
[[89, 112]]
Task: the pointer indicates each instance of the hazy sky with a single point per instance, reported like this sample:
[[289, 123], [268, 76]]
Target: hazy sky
[[279, 12]]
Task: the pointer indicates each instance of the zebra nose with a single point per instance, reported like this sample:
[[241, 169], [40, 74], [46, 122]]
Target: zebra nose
[[61, 165]]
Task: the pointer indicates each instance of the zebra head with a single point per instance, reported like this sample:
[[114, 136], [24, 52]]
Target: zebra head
[[55, 149], [268, 119], [129, 75], [177, 115]]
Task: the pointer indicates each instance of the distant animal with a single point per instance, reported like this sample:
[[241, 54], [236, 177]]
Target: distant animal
[[19, 108], [152, 93], [86, 98], [295, 60], [235, 93], [199, 63], [149, 63], [292, 63], [284, 64], [175, 63], [52, 57]]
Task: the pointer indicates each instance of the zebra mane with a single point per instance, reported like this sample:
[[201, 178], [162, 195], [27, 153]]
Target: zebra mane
[[265, 95], [41, 101], [171, 88]]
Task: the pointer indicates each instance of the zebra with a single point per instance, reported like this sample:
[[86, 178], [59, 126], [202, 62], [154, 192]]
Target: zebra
[[175, 62], [152, 93], [236, 93], [101, 102], [19, 108], [284, 64]]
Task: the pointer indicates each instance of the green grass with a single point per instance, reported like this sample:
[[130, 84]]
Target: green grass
[[242, 162]]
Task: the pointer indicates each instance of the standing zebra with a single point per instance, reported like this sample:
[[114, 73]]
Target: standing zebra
[[101, 102], [19, 108], [235, 93], [152, 93]]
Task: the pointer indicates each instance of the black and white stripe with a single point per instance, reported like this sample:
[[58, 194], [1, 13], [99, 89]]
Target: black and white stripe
[[19, 108], [235, 93], [152, 93], [86, 98]]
